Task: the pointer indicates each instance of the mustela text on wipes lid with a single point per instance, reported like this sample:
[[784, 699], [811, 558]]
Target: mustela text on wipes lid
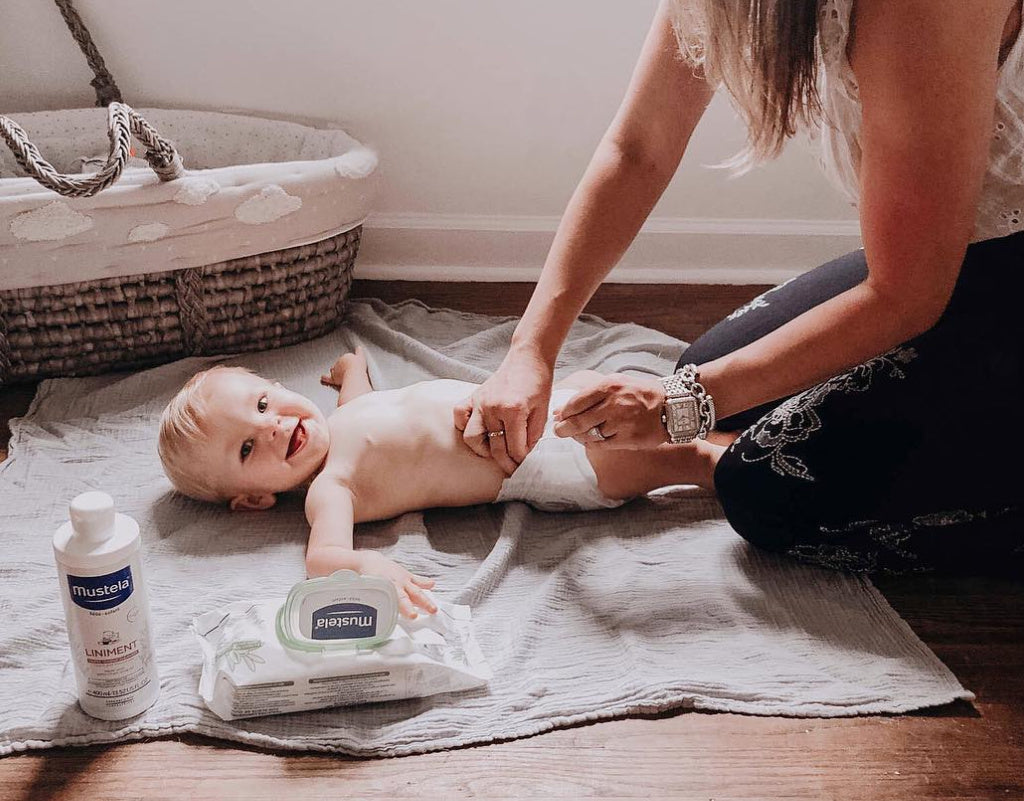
[[340, 611]]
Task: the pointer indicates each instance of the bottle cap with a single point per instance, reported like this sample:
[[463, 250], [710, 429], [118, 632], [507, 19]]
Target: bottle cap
[[340, 611], [92, 516]]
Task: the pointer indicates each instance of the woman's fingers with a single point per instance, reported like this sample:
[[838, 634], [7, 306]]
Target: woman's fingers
[[508, 412], [497, 442], [581, 401], [461, 413], [535, 427], [517, 437], [605, 440], [475, 434], [578, 424]]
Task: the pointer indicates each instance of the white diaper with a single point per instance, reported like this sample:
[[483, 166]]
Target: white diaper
[[556, 476]]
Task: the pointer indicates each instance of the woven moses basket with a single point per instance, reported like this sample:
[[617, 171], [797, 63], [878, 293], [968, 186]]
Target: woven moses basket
[[143, 261]]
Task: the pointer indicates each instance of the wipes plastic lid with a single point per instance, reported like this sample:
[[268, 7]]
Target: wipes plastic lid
[[342, 610]]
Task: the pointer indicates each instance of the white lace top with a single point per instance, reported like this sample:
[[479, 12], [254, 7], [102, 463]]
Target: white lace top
[[1001, 206]]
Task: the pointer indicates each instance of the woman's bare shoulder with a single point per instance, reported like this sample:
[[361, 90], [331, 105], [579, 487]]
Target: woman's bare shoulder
[[927, 74], [983, 29]]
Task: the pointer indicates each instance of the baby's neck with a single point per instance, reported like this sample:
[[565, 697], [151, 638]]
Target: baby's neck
[[303, 485]]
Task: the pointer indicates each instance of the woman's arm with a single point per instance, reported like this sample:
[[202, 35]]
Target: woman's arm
[[633, 164], [926, 71], [927, 75]]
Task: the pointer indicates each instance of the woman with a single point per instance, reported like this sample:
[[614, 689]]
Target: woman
[[864, 409]]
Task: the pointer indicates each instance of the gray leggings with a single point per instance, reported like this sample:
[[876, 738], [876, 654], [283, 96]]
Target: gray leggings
[[909, 461]]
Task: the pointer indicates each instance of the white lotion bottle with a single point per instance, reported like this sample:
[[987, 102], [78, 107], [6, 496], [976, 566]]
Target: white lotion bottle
[[101, 585]]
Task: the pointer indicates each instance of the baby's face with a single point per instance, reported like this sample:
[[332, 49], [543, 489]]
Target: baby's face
[[260, 437]]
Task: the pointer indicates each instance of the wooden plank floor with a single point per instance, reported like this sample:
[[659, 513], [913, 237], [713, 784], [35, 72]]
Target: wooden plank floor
[[962, 751]]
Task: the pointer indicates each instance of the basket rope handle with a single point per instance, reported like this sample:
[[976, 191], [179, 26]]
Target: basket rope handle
[[106, 88], [122, 122]]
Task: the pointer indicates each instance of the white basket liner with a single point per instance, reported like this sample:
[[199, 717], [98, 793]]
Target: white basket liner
[[278, 185]]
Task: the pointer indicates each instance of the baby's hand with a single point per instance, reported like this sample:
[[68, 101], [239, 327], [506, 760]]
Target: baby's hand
[[410, 586], [350, 361]]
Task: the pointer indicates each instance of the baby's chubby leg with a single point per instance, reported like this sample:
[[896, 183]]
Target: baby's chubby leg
[[626, 473]]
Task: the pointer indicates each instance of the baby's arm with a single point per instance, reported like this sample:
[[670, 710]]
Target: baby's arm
[[331, 515], [349, 375]]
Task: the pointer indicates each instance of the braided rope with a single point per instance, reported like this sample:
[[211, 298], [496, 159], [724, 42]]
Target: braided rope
[[5, 345], [122, 122], [106, 89], [188, 288]]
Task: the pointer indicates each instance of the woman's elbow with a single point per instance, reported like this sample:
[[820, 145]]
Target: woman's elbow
[[914, 311], [640, 157]]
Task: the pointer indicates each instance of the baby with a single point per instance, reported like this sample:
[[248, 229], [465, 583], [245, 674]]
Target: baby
[[232, 436]]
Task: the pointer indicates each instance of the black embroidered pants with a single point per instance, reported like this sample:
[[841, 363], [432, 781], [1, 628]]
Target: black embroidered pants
[[908, 462]]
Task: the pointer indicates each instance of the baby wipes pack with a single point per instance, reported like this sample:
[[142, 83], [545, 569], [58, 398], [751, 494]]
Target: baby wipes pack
[[337, 612], [325, 647]]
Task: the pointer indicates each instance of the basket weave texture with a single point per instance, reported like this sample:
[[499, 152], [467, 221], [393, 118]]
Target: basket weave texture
[[267, 300], [253, 303]]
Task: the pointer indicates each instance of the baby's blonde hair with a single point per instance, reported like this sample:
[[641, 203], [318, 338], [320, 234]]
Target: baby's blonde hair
[[181, 430]]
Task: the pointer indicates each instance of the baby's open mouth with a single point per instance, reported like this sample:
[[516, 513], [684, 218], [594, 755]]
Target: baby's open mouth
[[297, 441]]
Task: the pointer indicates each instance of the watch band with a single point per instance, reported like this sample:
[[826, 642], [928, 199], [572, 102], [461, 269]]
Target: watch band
[[685, 382]]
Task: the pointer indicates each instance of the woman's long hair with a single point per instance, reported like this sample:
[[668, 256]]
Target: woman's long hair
[[765, 52]]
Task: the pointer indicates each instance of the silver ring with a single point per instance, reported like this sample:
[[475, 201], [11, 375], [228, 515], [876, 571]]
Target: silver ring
[[596, 435], [499, 433]]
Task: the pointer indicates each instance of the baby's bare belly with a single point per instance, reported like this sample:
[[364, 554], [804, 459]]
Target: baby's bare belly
[[415, 458], [436, 477]]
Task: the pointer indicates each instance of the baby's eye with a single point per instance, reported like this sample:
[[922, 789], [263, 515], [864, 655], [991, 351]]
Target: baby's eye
[[246, 448], [261, 404]]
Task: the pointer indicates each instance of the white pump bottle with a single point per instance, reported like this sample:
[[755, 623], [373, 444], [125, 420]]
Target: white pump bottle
[[104, 596]]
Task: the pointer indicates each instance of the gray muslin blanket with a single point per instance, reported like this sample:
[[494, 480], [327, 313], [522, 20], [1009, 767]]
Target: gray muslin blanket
[[582, 616]]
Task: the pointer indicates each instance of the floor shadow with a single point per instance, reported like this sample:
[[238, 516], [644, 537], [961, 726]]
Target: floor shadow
[[58, 770], [957, 709]]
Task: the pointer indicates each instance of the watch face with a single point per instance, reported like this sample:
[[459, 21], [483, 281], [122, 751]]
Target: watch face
[[681, 416]]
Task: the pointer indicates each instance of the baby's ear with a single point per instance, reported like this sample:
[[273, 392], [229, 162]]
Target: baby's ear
[[256, 503]]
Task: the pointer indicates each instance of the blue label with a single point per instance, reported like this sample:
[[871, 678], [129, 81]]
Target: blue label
[[344, 622], [101, 592]]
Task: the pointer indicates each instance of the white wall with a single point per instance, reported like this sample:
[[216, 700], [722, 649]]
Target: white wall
[[484, 113]]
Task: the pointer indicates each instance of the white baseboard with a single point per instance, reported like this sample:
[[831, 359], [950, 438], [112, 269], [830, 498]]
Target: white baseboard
[[436, 247]]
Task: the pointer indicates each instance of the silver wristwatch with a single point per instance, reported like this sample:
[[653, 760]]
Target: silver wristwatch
[[689, 411]]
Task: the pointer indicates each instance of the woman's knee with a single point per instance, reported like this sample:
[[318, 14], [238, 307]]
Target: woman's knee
[[777, 306], [763, 519]]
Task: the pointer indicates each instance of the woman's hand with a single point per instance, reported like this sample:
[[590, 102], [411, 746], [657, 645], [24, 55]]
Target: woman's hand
[[505, 417], [616, 411], [410, 587]]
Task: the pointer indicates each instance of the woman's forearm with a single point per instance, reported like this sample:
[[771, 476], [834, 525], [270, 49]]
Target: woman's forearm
[[841, 333], [636, 159], [610, 204]]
